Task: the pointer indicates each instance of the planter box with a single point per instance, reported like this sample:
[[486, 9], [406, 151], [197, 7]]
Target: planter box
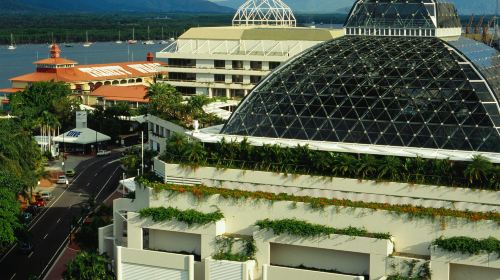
[[228, 270], [278, 272]]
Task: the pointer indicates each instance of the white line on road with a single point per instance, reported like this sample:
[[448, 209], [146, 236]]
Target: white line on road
[[31, 254], [88, 184], [13, 275], [45, 236], [55, 254], [58, 220], [8, 252], [103, 187]]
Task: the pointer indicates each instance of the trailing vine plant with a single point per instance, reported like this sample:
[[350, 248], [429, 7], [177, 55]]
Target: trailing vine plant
[[190, 217], [225, 248], [305, 229], [468, 245]]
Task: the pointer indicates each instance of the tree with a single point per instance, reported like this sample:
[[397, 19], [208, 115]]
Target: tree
[[9, 217], [165, 99], [390, 168], [367, 166], [43, 103], [477, 171], [89, 266]]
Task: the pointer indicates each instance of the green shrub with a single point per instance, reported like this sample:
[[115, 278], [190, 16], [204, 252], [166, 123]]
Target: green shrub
[[468, 245], [305, 229], [189, 217]]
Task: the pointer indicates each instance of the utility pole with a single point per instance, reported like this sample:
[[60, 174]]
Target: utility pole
[[142, 152]]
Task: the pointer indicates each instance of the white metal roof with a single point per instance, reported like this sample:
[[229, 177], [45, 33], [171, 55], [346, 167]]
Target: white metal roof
[[264, 12], [82, 136], [212, 135]]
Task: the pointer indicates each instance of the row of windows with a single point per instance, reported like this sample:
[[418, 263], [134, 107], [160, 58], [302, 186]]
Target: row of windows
[[221, 64], [218, 78], [391, 32]]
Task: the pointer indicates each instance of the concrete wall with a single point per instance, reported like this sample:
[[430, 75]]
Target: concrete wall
[[106, 240], [153, 262], [278, 273], [211, 176], [229, 270], [457, 266], [342, 261], [174, 241]]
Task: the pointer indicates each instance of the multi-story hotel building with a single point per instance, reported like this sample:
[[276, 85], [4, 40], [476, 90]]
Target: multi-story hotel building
[[229, 61], [387, 96]]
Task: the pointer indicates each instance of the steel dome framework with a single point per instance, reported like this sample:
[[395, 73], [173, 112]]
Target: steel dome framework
[[264, 13]]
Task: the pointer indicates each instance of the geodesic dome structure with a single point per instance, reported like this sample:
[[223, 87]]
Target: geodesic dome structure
[[264, 13], [407, 90]]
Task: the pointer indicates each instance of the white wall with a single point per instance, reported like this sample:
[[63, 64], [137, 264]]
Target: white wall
[[174, 241], [469, 272], [342, 261]]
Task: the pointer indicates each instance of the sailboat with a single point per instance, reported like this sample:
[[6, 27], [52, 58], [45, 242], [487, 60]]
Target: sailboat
[[67, 44], [12, 43], [119, 37], [149, 41], [133, 41], [87, 43], [162, 42]]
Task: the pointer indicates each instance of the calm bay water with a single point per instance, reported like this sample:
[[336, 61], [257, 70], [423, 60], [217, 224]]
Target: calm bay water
[[20, 61]]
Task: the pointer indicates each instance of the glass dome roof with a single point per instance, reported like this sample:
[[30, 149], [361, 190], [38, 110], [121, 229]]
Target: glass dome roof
[[399, 91]]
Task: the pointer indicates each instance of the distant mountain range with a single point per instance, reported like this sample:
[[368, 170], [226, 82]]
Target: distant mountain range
[[465, 7], [188, 6]]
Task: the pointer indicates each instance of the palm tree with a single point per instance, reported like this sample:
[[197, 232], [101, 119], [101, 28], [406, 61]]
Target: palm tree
[[477, 171], [345, 165], [195, 153], [88, 266], [367, 167], [390, 168]]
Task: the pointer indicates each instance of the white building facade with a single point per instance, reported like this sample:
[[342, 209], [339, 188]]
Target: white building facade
[[230, 61]]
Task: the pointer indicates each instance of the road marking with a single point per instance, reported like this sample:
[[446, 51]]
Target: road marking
[[59, 197], [45, 236], [88, 184], [31, 254], [58, 220], [55, 254], [8, 252], [103, 187], [95, 175], [13, 275]]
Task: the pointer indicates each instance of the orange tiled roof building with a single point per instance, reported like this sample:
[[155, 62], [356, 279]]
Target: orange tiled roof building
[[84, 80]]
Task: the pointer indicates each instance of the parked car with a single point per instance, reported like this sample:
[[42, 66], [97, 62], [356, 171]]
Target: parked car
[[32, 209], [25, 247], [70, 173], [39, 202], [45, 195], [103, 153], [62, 179], [26, 217]]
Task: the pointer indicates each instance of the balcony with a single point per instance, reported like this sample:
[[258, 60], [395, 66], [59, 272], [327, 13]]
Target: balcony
[[278, 272]]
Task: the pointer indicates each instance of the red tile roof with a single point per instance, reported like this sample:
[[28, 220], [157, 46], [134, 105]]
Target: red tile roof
[[55, 61], [95, 72], [10, 90], [122, 93]]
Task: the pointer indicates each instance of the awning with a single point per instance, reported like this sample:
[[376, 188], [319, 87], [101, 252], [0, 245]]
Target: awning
[[82, 136], [129, 184]]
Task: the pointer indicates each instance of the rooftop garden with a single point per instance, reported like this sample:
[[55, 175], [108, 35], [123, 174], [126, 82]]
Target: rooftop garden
[[477, 174], [320, 203], [468, 245], [167, 103]]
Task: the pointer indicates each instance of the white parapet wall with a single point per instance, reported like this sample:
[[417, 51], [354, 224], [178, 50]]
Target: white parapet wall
[[458, 266], [229, 270], [375, 250], [278, 272], [219, 177], [106, 240], [134, 264]]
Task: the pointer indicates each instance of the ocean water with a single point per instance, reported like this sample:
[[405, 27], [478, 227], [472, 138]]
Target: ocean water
[[20, 61]]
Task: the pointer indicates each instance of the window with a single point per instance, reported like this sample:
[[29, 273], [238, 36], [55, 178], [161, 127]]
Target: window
[[273, 65], [182, 63], [182, 76], [219, 64], [256, 65], [219, 78], [255, 79], [187, 90], [237, 64], [219, 92], [238, 79]]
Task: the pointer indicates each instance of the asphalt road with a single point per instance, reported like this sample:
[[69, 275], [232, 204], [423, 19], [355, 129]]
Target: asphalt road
[[49, 230]]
